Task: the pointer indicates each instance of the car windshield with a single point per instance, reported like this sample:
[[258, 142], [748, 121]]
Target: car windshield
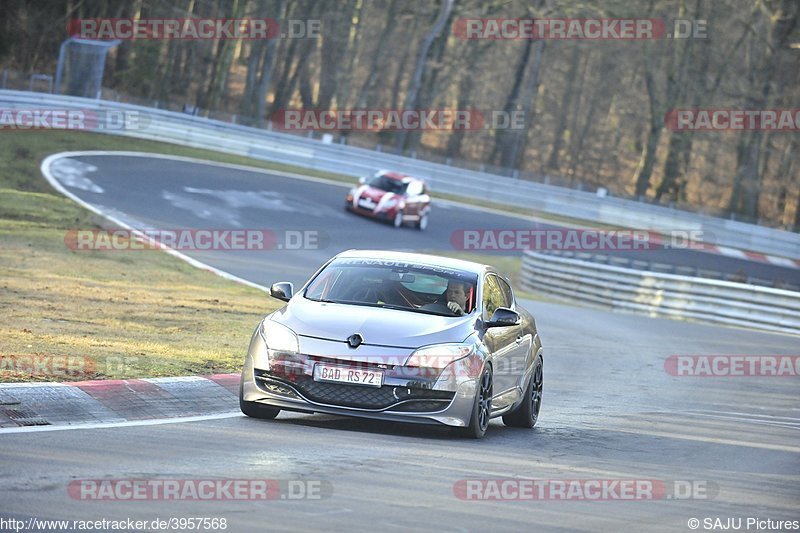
[[383, 183], [395, 285]]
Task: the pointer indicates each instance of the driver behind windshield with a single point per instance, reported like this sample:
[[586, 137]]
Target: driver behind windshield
[[455, 297]]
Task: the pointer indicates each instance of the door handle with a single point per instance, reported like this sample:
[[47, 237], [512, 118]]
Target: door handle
[[519, 339]]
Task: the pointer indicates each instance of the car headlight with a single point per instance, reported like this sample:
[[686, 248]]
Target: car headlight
[[438, 355], [278, 337]]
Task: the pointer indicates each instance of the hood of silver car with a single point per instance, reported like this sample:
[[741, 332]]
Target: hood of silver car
[[377, 326]]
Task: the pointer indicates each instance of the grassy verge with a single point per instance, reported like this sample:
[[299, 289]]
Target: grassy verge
[[107, 314], [117, 314]]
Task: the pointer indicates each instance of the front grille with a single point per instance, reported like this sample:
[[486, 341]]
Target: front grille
[[346, 395], [363, 397]]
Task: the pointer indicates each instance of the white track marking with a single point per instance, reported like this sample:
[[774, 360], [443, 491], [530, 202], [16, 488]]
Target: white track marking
[[782, 261], [33, 384], [731, 252], [46, 171], [126, 424], [761, 421], [73, 174]]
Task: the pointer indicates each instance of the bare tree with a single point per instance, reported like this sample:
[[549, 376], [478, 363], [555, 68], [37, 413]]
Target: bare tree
[[412, 94]]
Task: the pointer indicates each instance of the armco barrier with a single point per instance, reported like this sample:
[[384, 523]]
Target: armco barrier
[[187, 130], [667, 295]]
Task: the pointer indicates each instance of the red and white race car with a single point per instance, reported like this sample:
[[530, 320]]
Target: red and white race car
[[393, 197]]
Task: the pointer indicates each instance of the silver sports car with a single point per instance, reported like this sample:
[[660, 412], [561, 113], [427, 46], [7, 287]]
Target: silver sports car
[[397, 336]]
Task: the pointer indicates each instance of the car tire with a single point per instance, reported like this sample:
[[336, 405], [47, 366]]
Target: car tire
[[527, 413], [482, 406], [422, 223], [256, 410], [397, 222]]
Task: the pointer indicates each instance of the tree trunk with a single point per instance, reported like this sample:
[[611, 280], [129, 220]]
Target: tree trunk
[[267, 68], [782, 22], [676, 167], [284, 78], [414, 85], [514, 158], [304, 82], [377, 59], [401, 68], [785, 171], [648, 155], [510, 143], [288, 89], [430, 80], [564, 110], [351, 55], [332, 50], [502, 137], [254, 63]]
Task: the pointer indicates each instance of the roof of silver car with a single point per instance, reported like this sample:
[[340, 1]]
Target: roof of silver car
[[423, 259]]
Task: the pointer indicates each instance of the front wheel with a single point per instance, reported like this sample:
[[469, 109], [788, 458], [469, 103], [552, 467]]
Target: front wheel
[[526, 415], [422, 223], [482, 408], [398, 219], [256, 410]]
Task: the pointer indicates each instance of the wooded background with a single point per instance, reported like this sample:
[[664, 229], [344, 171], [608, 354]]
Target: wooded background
[[594, 110]]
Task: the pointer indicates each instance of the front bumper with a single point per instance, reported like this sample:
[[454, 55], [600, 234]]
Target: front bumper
[[379, 215], [448, 401]]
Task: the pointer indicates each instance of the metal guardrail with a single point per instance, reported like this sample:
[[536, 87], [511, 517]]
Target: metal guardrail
[[666, 295], [681, 270], [188, 130]]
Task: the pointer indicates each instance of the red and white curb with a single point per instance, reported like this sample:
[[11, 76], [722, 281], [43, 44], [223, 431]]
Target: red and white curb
[[753, 256], [115, 401]]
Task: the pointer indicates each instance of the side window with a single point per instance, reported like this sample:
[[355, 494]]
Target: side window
[[492, 296], [507, 294]]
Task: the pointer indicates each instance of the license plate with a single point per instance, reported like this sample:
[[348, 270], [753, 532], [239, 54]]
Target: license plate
[[366, 203], [343, 374]]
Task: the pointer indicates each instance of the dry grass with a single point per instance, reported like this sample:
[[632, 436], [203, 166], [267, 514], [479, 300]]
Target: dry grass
[[132, 314]]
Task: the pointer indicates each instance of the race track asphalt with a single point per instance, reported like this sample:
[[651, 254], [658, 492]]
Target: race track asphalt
[[611, 410]]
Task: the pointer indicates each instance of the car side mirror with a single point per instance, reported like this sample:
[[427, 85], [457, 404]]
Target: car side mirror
[[362, 180], [283, 290], [503, 316]]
